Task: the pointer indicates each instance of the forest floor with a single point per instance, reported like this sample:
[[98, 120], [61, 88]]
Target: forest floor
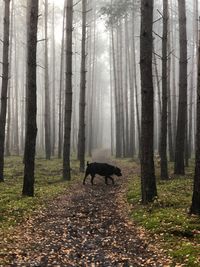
[[83, 226]]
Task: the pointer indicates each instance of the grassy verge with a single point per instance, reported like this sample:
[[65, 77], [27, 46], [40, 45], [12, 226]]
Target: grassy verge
[[48, 184], [167, 219]]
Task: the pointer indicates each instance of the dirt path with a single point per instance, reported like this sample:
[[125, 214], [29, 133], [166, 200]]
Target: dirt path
[[84, 227]]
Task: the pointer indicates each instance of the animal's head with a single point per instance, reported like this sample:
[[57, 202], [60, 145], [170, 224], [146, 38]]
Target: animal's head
[[118, 171]]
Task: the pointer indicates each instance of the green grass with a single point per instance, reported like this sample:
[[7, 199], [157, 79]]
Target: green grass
[[48, 184], [167, 217]]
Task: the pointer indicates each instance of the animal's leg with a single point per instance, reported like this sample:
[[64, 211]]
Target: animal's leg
[[111, 179], [106, 180], [92, 178], [86, 175]]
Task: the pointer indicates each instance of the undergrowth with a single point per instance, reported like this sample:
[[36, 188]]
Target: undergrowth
[[14, 208], [167, 218]]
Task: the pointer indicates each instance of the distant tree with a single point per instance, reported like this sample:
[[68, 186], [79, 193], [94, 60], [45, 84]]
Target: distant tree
[[16, 92], [60, 117], [4, 88], [179, 167], [91, 77], [31, 109], [148, 181], [68, 92], [47, 91], [53, 82], [81, 141]]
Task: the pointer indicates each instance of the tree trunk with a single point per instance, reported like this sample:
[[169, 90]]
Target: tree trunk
[[174, 75], [136, 84], [16, 85], [193, 76], [31, 124], [126, 102], [7, 147], [132, 70], [4, 87], [163, 148], [60, 121], [117, 120], [93, 88], [195, 207], [47, 93], [81, 141], [148, 181], [122, 118], [170, 132], [53, 102], [68, 92], [179, 167], [159, 100]]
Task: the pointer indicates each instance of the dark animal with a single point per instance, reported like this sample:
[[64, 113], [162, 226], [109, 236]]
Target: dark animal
[[103, 169]]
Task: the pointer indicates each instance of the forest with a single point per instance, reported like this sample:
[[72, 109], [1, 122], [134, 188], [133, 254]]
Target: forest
[[99, 133]]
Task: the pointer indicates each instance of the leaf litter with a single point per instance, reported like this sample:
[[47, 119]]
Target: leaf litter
[[86, 226]]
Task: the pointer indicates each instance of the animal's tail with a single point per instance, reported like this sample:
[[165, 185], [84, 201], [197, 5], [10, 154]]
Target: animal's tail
[[88, 163]]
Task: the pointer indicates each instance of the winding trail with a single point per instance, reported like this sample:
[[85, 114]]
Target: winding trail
[[88, 226]]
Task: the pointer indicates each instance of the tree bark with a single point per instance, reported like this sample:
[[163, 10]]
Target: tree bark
[[47, 93], [31, 124], [7, 147], [53, 102], [117, 119], [169, 102], [60, 121], [136, 85], [163, 148], [195, 207], [82, 91], [68, 92], [4, 89], [148, 180], [179, 167]]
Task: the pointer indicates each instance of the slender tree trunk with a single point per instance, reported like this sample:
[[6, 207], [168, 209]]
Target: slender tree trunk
[[148, 181], [174, 75], [82, 91], [193, 75], [195, 207], [16, 84], [60, 121], [111, 98], [179, 167], [31, 124], [126, 104], [170, 132], [159, 100], [47, 93], [4, 87], [136, 85], [53, 84], [163, 148], [68, 92], [9, 87], [117, 119], [132, 71], [93, 87], [121, 89]]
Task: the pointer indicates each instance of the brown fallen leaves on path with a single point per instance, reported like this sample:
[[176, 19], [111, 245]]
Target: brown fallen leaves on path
[[88, 226]]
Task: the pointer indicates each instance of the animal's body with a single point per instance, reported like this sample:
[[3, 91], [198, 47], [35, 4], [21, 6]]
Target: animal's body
[[102, 169]]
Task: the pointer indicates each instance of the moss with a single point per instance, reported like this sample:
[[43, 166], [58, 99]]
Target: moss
[[48, 184], [167, 216]]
